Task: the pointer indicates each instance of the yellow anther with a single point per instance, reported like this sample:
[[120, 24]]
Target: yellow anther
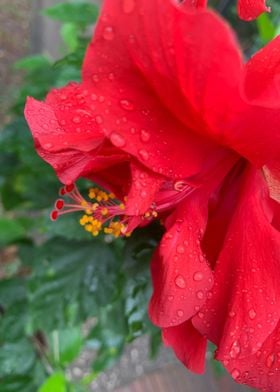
[[88, 211], [84, 203], [112, 196], [108, 230], [92, 193], [147, 215], [94, 206], [122, 206], [88, 227], [104, 211], [155, 214], [95, 233], [84, 220]]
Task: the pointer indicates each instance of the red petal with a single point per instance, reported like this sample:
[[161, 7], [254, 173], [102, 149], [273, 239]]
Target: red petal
[[67, 136], [253, 129], [140, 69], [180, 274], [188, 344], [243, 308], [65, 121], [144, 186], [261, 78], [261, 370], [248, 9]]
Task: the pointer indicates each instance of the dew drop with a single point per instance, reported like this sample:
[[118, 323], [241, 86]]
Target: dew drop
[[127, 105], [48, 145], [108, 33], [128, 6], [200, 294], [111, 76], [235, 373], [180, 249], [180, 282], [252, 314], [99, 119], [180, 313], [143, 194], [270, 360], [144, 154], [117, 139], [145, 135], [76, 119], [95, 78], [198, 276], [235, 349], [170, 298]]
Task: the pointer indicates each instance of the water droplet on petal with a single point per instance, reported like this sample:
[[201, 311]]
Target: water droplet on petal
[[117, 139], [180, 282], [270, 360], [48, 145], [99, 119], [235, 349], [200, 294], [144, 154], [108, 33], [170, 298], [127, 105], [143, 194], [76, 119], [95, 78], [235, 373], [145, 135], [180, 249], [128, 6], [180, 313], [198, 276], [252, 314]]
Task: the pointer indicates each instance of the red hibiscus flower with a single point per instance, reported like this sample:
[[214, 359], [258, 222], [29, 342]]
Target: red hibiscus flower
[[170, 115], [247, 9]]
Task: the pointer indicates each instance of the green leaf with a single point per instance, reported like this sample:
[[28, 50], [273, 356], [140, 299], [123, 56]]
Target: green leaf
[[71, 280], [16, 383], [81, 13], [31, 63], [55, 383], [13, 303], [11, 230], [16, 358], [266, 28], [65, 345], [69, 33]]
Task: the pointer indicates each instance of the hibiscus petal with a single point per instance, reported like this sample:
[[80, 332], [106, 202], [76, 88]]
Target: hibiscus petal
[[64, 121], [261, 370], [144, 186], [253, 124], [248, 9], [181, 276], [67, 136], [243, 307], [261, 75], [139, 68], [188, 344]]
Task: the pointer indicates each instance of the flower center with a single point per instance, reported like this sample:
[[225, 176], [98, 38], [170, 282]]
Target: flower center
[[104, 212]]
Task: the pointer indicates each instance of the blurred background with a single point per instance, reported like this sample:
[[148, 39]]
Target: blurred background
[[73, 308]]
